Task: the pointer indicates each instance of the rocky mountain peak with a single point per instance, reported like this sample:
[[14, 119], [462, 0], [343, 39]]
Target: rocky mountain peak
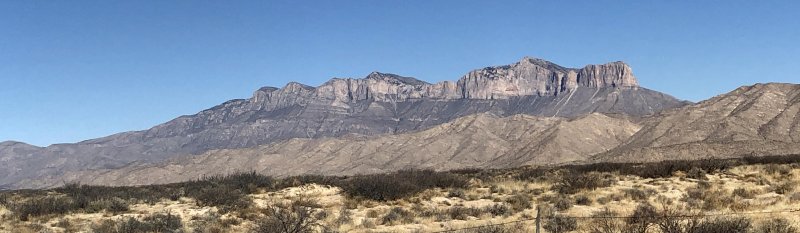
[[14, 143], [534, 61], [395, 79]]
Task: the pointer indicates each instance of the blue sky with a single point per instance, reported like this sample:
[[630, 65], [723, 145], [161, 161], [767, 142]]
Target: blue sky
[[74, 70]]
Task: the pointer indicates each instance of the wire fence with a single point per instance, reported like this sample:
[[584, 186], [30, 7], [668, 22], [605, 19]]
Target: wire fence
[[540, 219]]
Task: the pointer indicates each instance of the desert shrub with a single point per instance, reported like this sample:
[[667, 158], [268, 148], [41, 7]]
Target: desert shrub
[[605, 221], [583, 200], [213, 223], [642, 218], [744, 193], [560, 224], [794, 197], [778, 225], [517, 228], [401, 184], [696, 173], [40, 206], [638, 194], [496, 189], [459, 193], [372, 214], [498, 210], [722, 225], [344, 217], [398, 215], [562, 203], [248, 182], [573, 182], [66, 225], [286, 218], [113, 205], [519, 202], [785, 187], [708, 198], [159, 222], [778, 169], [603, 200], [462, 213], [716, 199], [224, 196]]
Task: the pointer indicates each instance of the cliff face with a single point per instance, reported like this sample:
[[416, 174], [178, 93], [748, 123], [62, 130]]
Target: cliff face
[[529, 76], [532, 76], [378, 104]]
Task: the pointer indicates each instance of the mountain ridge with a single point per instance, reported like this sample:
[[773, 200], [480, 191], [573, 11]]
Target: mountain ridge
[[758, 119], [505, 142], [379, 104]]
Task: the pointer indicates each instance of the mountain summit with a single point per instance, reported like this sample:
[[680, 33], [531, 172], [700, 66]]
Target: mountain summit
[[378, 104]]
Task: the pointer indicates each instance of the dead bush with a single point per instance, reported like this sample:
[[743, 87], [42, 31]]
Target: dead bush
[[778, 225], [398, 215], [785, 187], [401, 184], [605, 221], [160, 222], [290, 218], [519, 202], [583, 200], [463, 213], [517, 228], [562, 203], [722, 225], [696, 173], [560, 224], [572, 182], [744, 193], [639, 194]]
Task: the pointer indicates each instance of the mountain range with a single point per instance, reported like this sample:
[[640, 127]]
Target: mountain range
[[532, 112]]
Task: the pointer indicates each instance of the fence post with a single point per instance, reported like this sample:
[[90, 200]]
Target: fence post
[[538, 220]]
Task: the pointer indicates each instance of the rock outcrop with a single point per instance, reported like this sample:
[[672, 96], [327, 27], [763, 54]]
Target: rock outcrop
[[528, 77]]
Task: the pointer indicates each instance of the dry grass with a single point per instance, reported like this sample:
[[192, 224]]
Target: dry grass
[[450, 203]]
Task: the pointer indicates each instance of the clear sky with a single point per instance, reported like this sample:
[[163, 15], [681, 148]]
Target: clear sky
[[74, 70]]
